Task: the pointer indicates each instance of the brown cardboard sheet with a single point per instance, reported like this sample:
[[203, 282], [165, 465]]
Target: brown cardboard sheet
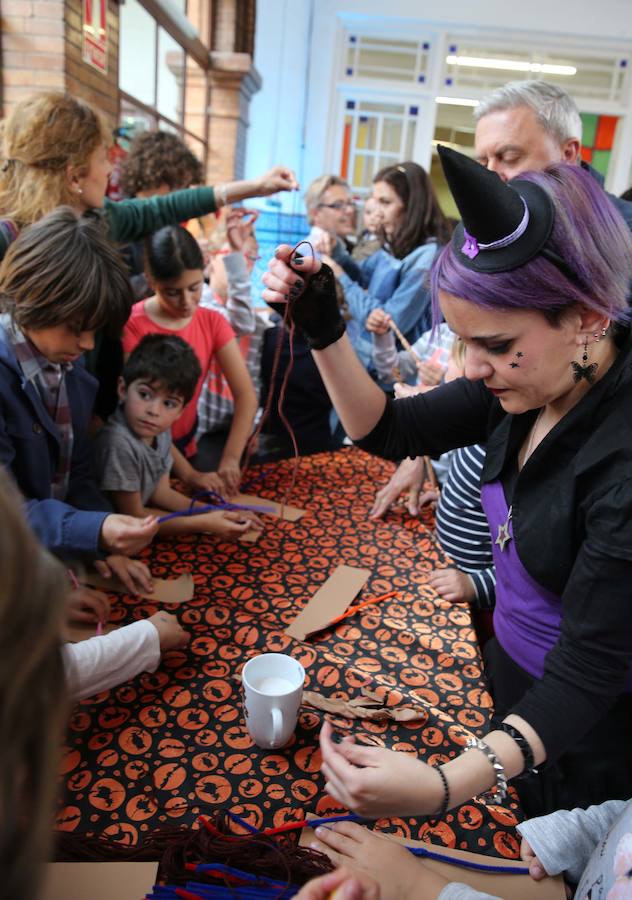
[[99, 880], [166, 590], [290, 513], [329, 601]]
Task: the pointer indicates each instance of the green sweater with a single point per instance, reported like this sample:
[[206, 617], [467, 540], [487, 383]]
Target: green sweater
[[131, 220]]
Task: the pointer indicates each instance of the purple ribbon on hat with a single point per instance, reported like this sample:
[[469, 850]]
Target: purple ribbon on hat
[[471, 246]]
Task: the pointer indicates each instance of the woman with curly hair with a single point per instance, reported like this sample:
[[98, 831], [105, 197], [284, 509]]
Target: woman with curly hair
[[159, 162]]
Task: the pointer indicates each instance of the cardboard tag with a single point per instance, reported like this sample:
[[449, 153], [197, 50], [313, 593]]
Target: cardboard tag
[[98, 880], [172, 590], [329, 601], [290, 513], [505, 886]]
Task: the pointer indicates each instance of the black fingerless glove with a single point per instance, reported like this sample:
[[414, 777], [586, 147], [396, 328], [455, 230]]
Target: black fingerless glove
[[315, 309]]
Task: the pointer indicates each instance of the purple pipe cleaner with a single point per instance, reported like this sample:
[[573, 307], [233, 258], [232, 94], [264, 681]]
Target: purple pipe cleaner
[[216, 502]]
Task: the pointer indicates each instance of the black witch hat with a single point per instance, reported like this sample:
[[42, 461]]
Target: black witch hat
[[504, 225]]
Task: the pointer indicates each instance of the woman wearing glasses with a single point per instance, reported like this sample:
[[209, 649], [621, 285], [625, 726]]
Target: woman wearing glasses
[[412, 229], [330, 212]]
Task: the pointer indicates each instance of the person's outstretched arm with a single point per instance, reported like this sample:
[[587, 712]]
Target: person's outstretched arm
[[131, 220], [453, 415]]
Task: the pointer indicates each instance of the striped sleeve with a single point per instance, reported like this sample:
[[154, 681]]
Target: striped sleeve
[[462, 527]]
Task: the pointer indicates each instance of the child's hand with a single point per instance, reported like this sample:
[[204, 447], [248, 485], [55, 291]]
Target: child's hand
[[324, 243], [84, 604], [377, 321], [239, 223], [431, 373], [205, 481], [453, 585], [342, 884], [333, 265], [134, 574], [126, 534], [536, 869], [171, 634], [230, 473], [230, 524], [406, 390]]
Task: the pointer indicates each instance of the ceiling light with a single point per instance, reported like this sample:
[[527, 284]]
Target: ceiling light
[[514, 65], [456, 101]]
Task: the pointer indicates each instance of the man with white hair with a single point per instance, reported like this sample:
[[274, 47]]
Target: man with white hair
[[531, 125]]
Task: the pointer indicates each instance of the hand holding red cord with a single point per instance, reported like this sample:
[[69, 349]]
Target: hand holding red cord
[[309, 288]]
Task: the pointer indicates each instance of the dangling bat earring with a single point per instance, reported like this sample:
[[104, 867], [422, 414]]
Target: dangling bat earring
[[583, 370]]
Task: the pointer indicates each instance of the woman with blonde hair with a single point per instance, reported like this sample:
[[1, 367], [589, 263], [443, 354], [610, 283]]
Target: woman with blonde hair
[[32, 687], [55, 154]]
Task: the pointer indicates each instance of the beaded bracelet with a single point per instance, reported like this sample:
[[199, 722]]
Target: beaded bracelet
[[500, 789], [445, 805], [523, 744], [221, 191]]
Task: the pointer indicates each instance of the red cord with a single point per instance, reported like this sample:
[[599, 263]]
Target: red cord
[[288, 324]]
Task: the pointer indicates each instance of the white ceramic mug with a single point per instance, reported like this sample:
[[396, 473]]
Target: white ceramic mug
[[273, 689]]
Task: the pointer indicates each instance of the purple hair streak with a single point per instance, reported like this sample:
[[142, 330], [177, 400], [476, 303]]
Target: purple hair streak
[[588, 234]]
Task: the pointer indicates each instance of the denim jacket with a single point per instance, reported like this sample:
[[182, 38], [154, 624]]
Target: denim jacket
[[398, 286]]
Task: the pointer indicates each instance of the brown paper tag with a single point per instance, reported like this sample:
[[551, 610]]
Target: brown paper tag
[[329, 601], [166, 590], [99, 880]]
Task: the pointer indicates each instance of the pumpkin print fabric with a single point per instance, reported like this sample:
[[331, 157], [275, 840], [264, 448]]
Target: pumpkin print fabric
[[171, 745]]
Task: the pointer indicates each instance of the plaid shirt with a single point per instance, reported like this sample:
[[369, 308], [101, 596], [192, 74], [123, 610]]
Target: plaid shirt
[[49, 380]]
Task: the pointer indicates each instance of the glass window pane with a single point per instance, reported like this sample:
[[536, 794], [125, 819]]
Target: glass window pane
[[137, 55], [366, 133], [135, 120], [410, 140], [392, 135], [170, 76], [363, 169]]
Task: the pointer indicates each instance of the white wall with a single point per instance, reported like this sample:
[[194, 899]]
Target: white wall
[[295, 37]]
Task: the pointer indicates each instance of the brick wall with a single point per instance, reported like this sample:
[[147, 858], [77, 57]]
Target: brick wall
[[32, 48], [41, 50], [83, 80]]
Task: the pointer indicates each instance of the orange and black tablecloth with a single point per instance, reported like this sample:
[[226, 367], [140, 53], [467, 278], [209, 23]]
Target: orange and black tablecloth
[[170, 745]]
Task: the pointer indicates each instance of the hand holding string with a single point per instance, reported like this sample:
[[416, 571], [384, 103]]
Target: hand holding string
[[303, 291]]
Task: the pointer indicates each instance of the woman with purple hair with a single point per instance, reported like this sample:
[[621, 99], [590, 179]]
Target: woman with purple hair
[[535, 283]]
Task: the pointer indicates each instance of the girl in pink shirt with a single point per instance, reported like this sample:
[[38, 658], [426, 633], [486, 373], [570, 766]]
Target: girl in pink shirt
[[175, 271]]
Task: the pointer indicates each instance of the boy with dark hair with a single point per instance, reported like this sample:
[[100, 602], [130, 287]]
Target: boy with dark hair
[[133, 452], [60, 281]]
